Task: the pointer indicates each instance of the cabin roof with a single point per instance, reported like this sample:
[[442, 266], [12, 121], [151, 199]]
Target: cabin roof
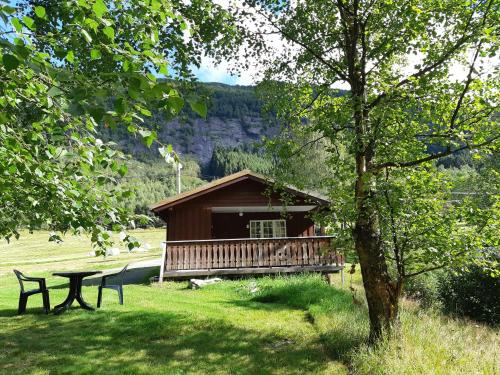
[[226, 181]]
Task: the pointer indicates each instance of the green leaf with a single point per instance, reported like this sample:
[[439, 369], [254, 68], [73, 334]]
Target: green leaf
[[120, 105], [200, 107], [163, 69], [148, 137], [122, 170], [55, 91], [145, 112], [10, 62], [17, 24], [28, 21], [144, 133], [40, 11], [175, 103], [149, 140], [12, 169], [86, 35], [22, 51], [95, 54], [109, 32], [99, 8], [133, 93], [70, 56]]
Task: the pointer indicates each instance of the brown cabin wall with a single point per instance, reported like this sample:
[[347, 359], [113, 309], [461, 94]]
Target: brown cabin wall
[[193, 220], [189, 222]]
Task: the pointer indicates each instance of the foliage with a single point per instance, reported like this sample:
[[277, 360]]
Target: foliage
[[304, 157], [151, 182], [70, 68], [226, 161], [233, 101], [405, 109], [472, 291], [424, 288]]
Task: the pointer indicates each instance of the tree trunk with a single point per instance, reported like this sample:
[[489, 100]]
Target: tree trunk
[[382, 294]]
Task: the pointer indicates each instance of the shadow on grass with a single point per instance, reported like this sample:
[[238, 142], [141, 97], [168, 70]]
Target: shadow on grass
[[13, 312], [144, 342], [341, 325]]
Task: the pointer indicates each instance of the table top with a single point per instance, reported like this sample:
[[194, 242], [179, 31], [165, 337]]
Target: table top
[[76, 273]]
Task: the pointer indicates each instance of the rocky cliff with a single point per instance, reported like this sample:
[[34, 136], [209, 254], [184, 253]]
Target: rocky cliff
[[233, 120]]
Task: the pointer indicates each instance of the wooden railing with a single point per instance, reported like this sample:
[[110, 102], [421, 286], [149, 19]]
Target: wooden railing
[[250, 252]]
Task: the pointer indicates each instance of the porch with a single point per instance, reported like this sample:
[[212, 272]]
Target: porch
[[246, 256]]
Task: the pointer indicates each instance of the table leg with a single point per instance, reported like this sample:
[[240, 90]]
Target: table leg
[[69, 299], [79, 298]]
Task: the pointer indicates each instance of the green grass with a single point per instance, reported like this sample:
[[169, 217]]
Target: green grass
[[33, 253], [281, 325]]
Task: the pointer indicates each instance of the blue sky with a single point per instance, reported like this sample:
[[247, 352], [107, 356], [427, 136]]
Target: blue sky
[[209, 72]]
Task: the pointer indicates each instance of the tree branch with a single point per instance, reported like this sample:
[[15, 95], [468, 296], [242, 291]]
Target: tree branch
[[429, 68], [431, 157], [424, 271], [307, 47], [308, 143]]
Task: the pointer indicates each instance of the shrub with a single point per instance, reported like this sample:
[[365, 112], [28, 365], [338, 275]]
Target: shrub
[[424, 288], [474, 293]]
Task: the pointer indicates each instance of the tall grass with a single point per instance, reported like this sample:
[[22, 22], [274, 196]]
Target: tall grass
[[427, 343], [340, 323], [430, 343]]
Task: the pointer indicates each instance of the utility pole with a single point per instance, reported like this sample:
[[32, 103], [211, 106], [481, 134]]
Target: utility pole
[[179, 167]]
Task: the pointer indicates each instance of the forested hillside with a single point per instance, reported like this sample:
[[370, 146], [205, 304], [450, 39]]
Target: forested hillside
[[226, 142], [223, 143], [233, 121]]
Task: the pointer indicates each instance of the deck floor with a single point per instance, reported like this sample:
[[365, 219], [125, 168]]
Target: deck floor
[[172, 274]]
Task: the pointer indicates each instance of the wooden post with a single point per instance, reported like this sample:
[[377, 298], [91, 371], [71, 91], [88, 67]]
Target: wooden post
[[162, 265]]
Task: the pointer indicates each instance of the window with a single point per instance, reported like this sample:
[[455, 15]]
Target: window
[[255, 229], [267, 228]]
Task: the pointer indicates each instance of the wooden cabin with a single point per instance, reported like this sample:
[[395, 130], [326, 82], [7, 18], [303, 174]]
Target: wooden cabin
[[243, 224]]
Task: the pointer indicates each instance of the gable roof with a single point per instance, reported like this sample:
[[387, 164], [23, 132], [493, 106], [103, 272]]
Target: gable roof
[[226, 181]]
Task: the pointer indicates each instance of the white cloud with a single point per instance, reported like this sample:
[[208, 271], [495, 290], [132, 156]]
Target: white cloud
[[209, 71]]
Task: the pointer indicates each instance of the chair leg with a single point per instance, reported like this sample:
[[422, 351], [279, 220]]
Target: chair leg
[[120, 295], [46, 301], [22, 303], [99, 297]]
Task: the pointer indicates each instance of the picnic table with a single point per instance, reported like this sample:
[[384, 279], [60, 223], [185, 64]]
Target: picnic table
[[75, 289]]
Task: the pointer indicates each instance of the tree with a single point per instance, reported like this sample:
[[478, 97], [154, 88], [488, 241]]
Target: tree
[[225, 161], [404, 110], [68, 70]]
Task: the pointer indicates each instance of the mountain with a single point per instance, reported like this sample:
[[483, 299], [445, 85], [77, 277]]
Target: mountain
[[234, 121]]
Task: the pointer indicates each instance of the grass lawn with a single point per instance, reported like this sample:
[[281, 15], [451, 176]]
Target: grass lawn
[[290, 325], [32, 253]]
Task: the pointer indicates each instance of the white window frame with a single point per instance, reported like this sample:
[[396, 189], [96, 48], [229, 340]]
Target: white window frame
[[276, 224]]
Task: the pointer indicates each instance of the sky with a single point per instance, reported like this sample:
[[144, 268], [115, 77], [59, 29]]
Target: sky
[[210, 72]]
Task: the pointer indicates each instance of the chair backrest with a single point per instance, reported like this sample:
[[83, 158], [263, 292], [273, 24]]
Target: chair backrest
[[118, 277], [20, 278], [122, 272]]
